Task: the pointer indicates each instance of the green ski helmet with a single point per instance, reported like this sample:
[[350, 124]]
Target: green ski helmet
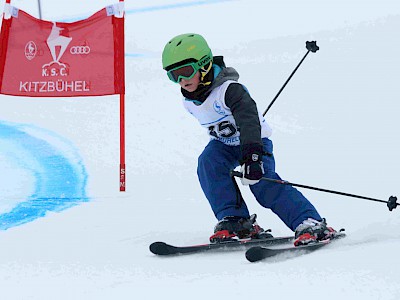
[[187, 49]]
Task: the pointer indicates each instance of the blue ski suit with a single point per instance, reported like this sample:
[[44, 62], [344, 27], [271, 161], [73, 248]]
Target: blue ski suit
[[230, 115]]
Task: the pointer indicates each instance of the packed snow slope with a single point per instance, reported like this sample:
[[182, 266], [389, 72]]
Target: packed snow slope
[[68, 233]]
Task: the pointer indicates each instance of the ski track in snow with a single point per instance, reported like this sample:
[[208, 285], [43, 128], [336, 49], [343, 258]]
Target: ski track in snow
[[44, 162]]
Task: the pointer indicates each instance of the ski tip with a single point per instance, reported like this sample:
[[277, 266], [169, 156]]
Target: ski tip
[[254, 254], [159, 248]]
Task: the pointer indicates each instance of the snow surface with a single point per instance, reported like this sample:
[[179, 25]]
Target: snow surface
[[336, 126]]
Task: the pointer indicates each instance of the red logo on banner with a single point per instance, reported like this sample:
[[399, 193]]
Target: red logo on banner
[[49, 59]]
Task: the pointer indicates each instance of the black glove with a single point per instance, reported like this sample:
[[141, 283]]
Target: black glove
[[252, 166]]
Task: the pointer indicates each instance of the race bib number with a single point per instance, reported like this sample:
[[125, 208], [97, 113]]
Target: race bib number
[[225, 129]]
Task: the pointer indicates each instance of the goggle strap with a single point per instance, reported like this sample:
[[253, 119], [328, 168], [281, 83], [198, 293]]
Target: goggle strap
[[204, 71]]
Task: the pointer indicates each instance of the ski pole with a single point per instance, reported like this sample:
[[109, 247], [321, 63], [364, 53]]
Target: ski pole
[[391, 203], [311, 46]]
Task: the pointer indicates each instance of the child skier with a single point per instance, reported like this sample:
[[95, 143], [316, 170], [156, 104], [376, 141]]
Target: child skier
[[239, 136]]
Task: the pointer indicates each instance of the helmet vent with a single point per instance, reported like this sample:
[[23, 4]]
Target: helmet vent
[[180, 42]]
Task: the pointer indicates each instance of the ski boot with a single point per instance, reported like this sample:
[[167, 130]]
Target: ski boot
[[311, 231], [234, 228]]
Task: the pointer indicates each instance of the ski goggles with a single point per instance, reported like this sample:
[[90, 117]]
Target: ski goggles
[[186, 71]]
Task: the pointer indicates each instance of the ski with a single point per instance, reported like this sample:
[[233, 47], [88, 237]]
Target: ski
[[258, 253], [161, 248]]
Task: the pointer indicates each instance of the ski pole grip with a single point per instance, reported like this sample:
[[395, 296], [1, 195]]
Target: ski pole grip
[[392, 203], [236, 174], [312, 46]]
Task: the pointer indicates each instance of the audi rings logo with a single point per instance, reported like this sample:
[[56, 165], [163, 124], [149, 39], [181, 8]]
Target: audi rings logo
[[79, 50]]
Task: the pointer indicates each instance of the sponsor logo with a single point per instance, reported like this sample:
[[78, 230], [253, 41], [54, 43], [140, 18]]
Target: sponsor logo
[[75, 50], [204, 61], [30, 50], [233, 141], [218, 108]]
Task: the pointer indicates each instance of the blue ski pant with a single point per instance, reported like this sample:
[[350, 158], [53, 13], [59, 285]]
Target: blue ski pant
[[214, 166]]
